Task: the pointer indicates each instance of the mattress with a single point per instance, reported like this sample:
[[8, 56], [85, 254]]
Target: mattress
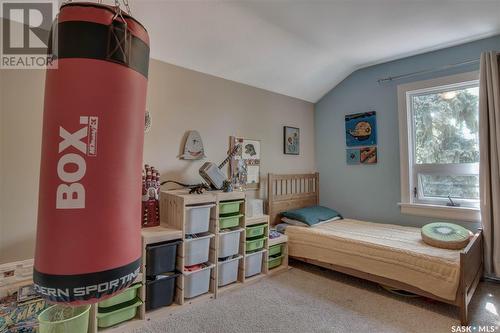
[[386, 250]]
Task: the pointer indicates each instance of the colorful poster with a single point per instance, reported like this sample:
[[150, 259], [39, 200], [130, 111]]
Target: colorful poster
[[368, 155], [361, 129], [291, 140], [244, 166], [352, 156], [364, 155]]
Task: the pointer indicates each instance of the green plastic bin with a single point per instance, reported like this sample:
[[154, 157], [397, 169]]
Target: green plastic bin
[[125, 296], [229, 207], [232, 221], [255, 244], [256, 230], [275, 250], [118, 313], [63, 319], [274, 261]]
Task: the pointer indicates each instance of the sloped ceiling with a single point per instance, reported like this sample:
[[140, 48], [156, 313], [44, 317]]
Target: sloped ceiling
[[304, 48]]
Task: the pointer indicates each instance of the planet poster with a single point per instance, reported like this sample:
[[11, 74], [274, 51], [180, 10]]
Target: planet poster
[[361, 129]]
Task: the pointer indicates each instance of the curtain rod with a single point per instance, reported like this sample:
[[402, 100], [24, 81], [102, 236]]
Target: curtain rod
[[426, 71]]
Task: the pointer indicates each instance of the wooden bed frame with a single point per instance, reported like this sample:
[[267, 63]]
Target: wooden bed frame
[[301, 190]]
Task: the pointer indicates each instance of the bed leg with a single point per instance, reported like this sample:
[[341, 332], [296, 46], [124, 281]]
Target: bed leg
[[464, 311]]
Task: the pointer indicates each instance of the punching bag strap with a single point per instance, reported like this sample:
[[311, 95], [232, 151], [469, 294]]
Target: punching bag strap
[[119, 40], [125, 3]]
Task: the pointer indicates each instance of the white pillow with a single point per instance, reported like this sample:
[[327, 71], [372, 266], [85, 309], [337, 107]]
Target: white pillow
[[302, 224]]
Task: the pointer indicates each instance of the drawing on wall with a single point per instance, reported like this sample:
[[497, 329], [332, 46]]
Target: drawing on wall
[[361, 129], [352, 156], [291, 140], [250, 150], [368, 155], [244, 168], [364, 155], [193, 147]]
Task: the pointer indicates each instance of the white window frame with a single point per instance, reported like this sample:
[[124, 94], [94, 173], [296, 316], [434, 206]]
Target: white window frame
[[409, 170]]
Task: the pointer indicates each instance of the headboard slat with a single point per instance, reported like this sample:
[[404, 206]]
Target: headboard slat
[[302, 192]]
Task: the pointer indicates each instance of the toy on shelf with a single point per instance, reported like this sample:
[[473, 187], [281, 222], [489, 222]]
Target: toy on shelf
[[150, 197], [213, 174], [193, 188], [227, 186]]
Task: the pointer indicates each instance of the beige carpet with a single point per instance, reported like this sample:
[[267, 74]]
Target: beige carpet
[[310, 299]]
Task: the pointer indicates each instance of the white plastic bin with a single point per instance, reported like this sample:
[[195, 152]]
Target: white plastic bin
[[197, 250], [253, 263], [229, 243], [197, 282], [197, 219], [254, 207], [228, 271]]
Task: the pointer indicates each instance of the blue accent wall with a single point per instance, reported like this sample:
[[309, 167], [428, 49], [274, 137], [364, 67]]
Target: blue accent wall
[[372, 192]]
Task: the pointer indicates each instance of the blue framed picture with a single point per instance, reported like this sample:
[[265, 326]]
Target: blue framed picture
[[361, 129], [352, 156]]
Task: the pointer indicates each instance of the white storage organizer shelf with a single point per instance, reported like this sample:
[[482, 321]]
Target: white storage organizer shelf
[[253, 263], [229, 242], [198, 282], [178, 210], [217, 246], [197, 249], [228, 271], [197, 219]]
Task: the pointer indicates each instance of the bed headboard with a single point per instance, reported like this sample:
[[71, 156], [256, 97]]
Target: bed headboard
[[285, 192]]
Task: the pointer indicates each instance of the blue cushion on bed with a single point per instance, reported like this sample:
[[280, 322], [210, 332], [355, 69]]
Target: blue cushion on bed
[[311, 215]]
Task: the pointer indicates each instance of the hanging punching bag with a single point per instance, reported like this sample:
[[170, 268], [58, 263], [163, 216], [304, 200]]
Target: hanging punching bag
[[88, 243]]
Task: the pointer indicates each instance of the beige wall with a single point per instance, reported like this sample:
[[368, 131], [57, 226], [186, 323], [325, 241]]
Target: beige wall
[[22, 99], [1, 161], [179, 100]]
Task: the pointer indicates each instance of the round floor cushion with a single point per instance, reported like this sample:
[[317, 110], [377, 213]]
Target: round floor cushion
[[446, 235]]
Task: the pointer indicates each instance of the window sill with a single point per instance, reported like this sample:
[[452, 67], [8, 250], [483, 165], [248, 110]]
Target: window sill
[[442, 212]]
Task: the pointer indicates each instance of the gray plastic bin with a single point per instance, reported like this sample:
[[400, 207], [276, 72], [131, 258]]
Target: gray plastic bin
[[229, 243], [253, 263], [197, 250], [228, 271], [197, 219], [198, 282]]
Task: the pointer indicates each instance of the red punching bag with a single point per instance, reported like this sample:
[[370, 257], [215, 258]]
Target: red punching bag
[[88, 243]]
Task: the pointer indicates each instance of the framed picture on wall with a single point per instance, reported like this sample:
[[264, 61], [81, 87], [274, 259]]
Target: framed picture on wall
[[352, 156], [291, 140], [361, 129], [244, 166], [363, 155], [368, 155]]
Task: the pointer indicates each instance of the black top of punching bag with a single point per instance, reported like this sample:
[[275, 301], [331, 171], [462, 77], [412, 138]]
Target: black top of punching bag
[[93, 40]]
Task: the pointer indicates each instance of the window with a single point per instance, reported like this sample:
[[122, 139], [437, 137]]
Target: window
[[439, 137]]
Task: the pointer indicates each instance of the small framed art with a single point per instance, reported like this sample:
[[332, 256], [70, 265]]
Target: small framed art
[[291, 140], [244, 166], [362, 155]]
